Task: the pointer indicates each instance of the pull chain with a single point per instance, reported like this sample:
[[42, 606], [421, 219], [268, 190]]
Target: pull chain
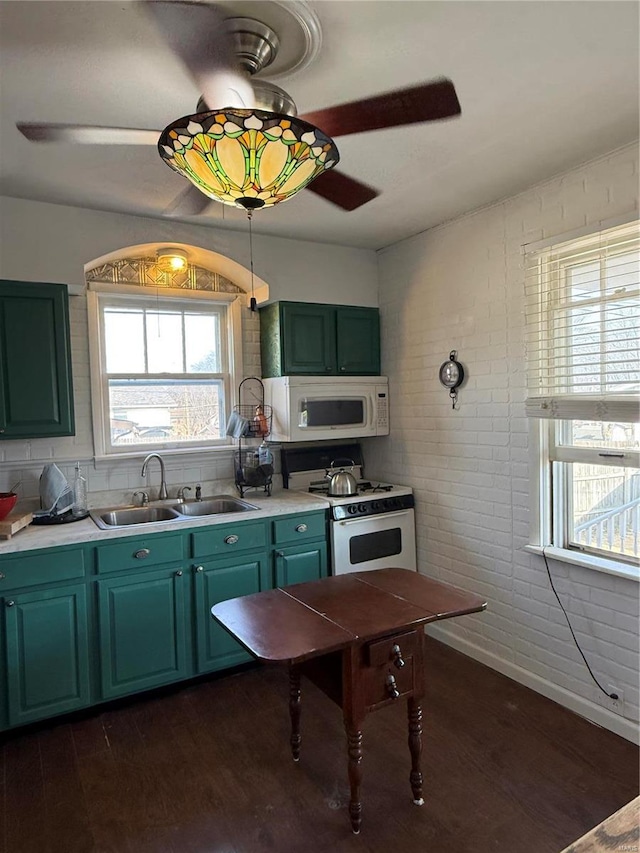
[[252, 301]]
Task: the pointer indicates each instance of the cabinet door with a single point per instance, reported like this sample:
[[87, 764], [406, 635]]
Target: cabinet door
[[358, 341], [308, 338], [218, 581], [36, 397], [301, 563], [46, 643], [142, 631]]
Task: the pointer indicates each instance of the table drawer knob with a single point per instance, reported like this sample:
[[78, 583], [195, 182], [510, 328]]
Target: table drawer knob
[[397, 656], [231, 540], [178, 574], [199, 568], [10, 603], [142, 554], [392, 689], [301, 528]]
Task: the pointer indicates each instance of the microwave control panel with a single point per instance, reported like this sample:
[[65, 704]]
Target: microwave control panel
[[382, 412]]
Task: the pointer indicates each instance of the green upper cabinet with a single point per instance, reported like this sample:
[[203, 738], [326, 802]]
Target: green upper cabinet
[[358, 340], [301, 338], [36, 393]]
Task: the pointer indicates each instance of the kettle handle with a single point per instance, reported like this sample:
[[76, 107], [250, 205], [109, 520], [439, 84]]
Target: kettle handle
[[343, 459]]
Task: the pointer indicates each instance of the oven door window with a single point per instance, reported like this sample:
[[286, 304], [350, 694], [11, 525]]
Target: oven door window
[[332, 412], [375, 546]]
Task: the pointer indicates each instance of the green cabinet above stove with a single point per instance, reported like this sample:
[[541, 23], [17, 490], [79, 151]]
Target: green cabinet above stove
[[309, 339]]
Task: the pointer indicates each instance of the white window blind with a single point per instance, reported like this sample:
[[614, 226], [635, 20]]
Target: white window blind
[[583, 327]]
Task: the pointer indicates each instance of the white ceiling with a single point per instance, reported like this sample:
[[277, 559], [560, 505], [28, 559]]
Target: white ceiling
[[543, 86]]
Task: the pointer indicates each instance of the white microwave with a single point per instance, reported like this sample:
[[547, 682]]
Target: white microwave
[[316, 408]]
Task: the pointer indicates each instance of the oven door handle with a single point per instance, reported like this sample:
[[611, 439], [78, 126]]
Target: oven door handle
[[370, 517]]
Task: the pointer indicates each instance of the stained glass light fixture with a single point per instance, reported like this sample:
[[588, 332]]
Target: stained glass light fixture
[[248, 158]]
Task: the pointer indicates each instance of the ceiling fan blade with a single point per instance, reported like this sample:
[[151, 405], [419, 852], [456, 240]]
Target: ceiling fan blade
[[341, 190], [190, 202], [87, 134], [426, 102], [198, 34]]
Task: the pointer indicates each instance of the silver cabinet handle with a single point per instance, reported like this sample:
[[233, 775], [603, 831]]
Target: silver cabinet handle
[[142, 554], [179, 573], [9, 603], [199, 568], [231, 540], [279, 553], [301, 528]]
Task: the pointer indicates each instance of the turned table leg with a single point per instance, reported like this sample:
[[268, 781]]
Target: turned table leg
[[415, 748], [354, 746], [295, 706]]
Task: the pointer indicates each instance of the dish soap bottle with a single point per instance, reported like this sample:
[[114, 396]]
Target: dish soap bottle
[[80, 505]]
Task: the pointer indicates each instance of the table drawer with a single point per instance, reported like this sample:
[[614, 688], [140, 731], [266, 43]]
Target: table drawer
[[299, 528], [140, 553], [376, 683], [229, 539], [33, 569], [382, 652]]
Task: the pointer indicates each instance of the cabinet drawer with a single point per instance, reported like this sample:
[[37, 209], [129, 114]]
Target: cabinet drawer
[[229, 539], [140, 553], [299, 528], [381, 652], [33, 569]]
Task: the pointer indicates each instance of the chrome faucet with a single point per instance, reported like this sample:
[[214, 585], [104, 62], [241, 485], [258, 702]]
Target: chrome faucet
[[163, 483]]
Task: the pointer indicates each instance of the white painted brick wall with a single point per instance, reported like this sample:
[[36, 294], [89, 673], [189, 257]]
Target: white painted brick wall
[[460, 286]]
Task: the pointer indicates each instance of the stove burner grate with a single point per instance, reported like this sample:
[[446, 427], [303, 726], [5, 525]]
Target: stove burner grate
[[321, 487]]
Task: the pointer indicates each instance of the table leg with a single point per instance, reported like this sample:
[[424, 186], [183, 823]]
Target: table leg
[[415, 748], [295, 706], [354, 746]]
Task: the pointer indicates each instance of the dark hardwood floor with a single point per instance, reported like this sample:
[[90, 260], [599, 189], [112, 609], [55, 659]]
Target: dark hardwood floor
[[207, 768]]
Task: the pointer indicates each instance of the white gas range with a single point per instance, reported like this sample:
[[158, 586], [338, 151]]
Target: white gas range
[[374, 529]]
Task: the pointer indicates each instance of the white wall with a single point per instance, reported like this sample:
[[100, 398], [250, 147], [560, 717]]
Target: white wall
[[43, 242], [460, 286]]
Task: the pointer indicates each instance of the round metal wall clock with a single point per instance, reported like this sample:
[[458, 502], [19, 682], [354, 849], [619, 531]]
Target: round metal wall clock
[[452, 375]]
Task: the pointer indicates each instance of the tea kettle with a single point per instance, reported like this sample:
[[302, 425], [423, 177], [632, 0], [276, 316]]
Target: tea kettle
[[342, 484]]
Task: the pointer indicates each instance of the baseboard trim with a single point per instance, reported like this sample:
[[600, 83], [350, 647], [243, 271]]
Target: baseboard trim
[[627, 729]]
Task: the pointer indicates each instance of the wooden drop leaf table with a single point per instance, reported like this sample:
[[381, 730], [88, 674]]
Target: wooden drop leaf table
[[360, 638]]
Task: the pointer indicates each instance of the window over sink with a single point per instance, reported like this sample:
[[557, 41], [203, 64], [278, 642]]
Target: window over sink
[[163, 366]]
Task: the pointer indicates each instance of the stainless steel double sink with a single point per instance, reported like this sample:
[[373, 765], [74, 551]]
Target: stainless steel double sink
[[124, 516]]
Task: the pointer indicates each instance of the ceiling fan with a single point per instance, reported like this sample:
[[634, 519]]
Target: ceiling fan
[[245, 145]]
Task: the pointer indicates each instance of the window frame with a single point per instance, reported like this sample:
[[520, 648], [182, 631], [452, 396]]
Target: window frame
[[548, 525], [551, 493], [231, 324]]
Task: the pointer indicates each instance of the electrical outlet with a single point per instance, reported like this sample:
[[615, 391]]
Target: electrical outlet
[[615, 705]]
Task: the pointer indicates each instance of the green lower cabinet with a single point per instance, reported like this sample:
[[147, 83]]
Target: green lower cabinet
[[301, 563], [46, 641], [217, 581], [142, 631]]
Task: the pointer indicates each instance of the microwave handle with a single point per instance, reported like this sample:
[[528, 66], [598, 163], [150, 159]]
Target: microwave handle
[[369, 517]]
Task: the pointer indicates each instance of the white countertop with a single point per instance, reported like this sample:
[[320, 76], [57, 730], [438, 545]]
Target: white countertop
[[281, 502]]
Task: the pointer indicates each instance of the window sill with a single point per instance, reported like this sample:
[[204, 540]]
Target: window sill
[[182, 453], [588, 561]]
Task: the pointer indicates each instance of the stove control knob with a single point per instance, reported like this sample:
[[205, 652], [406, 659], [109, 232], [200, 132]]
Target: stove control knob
[[352, 509], [362, 507], [375, 505]]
